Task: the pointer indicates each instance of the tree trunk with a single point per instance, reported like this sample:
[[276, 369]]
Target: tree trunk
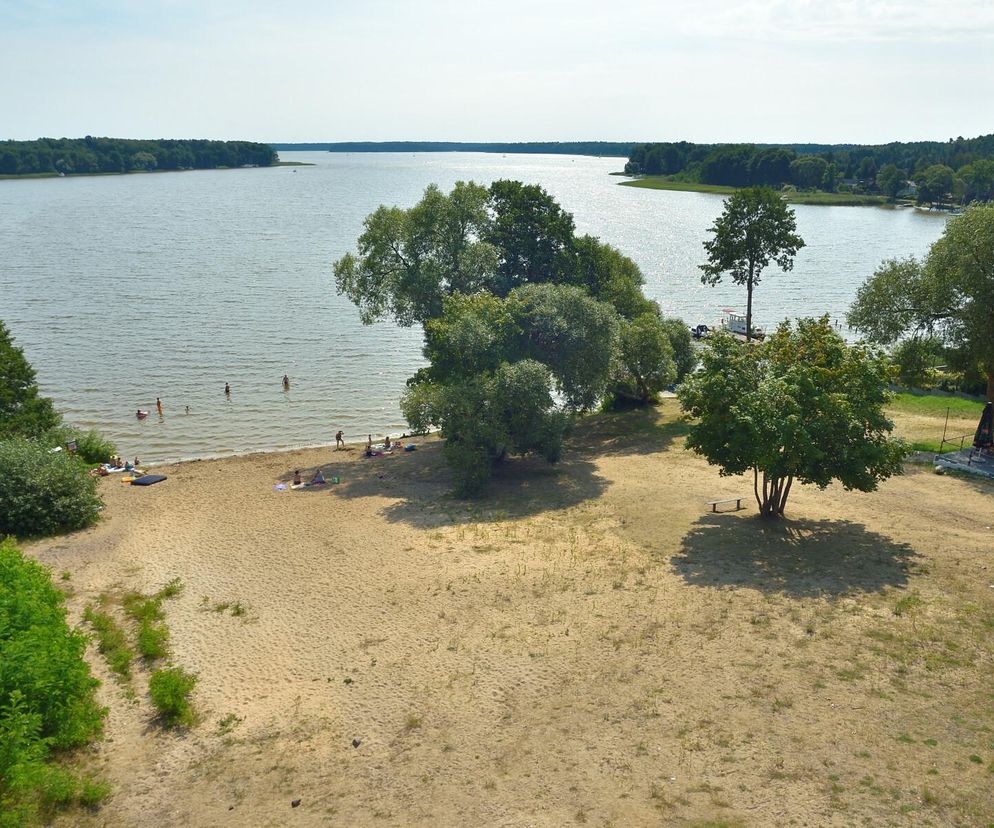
[[990, 383], [774, 495], [749, 307]]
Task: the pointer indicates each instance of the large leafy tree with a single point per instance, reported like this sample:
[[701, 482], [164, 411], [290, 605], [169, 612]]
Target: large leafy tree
[[23, 411], [647, 363], [801, 406], [755, 228], [949, 294]]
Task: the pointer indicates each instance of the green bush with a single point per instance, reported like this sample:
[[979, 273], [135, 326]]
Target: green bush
[[47, 700], [170, 690], [153, 640], [91, 446], [42, 493]]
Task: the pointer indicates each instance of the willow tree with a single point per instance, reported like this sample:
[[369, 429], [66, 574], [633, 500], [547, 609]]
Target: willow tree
[[802, 406], [948, 295], [755, 228]]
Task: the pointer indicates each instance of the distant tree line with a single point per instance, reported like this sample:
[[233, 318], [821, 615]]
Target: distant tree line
[[956, 171], [620, 149], [70, 156]]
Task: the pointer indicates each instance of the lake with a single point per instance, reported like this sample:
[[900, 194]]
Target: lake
[[121, 289]]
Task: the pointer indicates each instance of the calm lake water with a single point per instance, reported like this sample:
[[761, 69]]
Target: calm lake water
[[122, 289]]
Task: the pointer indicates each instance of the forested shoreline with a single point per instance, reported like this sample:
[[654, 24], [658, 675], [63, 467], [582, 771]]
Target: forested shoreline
[[90, 155], [619, 149], [956, 171]]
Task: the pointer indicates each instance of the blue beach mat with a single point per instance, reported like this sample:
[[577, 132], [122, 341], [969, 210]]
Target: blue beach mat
[[148, 480]]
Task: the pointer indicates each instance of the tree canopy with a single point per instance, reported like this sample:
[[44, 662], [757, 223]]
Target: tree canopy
[[68, 156], [23, 411], [801, 406], [825, 166], [755, 227], [949, 294], [525, 323]]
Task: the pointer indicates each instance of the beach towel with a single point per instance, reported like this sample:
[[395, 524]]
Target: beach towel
[[279, 487], [148, 480], [410, 447]]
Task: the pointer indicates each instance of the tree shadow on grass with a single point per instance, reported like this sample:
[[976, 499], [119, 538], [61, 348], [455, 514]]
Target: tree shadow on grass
[[799, 558]]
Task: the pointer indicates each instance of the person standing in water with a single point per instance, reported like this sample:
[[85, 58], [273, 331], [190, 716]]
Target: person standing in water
[[286, 383], [227, 390], [158, 406]]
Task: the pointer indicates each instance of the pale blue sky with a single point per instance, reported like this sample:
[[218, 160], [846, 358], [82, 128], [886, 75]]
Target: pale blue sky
[[708, 70]]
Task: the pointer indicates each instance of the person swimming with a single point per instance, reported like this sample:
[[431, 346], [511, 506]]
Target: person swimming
[[141, 415]]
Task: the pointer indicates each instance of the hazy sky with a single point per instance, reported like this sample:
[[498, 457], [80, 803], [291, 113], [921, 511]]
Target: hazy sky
[[701, 70]]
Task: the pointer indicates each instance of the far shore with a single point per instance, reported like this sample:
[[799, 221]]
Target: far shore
[[27, 176]]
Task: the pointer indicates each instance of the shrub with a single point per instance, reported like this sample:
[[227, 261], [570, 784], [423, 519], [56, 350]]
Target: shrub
[[46, 693], [170, 690], [91, 446], [43, 493], [153, 640]]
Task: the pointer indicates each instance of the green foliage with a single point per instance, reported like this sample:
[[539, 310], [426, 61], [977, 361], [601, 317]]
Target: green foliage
[[807, 166], [91, 447], [915, 359], [147, 612], [47, 700], [48, 156], [803, 405], [755, 228], [170, 689], [573, 335], [682, 345], [42, 493], [487, 416], [111, 641], [23, 413], [646, 365], [949, 295]]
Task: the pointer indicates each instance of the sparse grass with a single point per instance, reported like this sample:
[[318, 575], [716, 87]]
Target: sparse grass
[[111, 641], [908, 604], [412, 722], [147, 612], [228, 724]]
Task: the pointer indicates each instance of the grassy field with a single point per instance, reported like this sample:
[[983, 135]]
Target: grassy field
[[837, 199], [920, 419]]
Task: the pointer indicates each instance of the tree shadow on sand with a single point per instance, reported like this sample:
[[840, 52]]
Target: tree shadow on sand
[[799, 558], [421, 482]]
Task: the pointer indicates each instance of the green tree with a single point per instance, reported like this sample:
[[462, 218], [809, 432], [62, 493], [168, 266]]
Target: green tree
[[682, 345], [755, 228], [808, 172], [950, 294], [409, 260], [801, 406], [934, 184], [890, 180], [487, 416], [532, 234], [646, 364], [23, 411]]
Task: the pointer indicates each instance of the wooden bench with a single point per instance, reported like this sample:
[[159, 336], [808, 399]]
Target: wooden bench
[[736, 500]]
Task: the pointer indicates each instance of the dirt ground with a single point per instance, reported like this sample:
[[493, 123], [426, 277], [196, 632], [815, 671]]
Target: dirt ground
[[588, 644]]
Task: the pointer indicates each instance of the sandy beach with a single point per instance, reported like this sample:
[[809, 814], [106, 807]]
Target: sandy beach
[[588, 644]]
